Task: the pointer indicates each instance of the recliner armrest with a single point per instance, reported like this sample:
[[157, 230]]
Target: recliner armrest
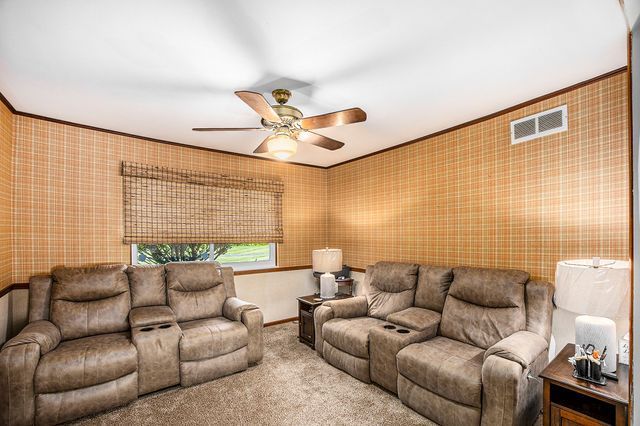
[[144, 316], [348, 308], [42, 332], [522, 347], [418, 319], [19, 359], [234, 307]]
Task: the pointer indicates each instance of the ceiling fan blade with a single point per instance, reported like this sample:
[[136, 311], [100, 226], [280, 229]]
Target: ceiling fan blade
[[259, 104], [319, 140], [331, 119], [224, 129], [262, 148]]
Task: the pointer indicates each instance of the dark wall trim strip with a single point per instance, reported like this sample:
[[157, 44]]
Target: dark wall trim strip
[[15, 286], [632, 165], [490, 116], [6, 102], [440, 132], [358, 269], [282, 321]]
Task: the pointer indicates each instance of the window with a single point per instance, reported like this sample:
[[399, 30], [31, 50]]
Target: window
[[239, 256]]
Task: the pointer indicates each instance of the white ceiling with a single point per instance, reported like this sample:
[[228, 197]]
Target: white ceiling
[[157, 68]]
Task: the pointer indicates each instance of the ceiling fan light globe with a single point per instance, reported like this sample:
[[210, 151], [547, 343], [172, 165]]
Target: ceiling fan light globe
[[282, 146]]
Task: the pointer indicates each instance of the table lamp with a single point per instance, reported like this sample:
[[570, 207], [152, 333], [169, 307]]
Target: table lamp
[[327, 261], [599, 291]]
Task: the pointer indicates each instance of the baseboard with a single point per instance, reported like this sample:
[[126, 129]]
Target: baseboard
[[282, 321]]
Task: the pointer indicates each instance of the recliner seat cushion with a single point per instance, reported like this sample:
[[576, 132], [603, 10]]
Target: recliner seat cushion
[[350, 335], [195, 290], [484, 305], [57, 408], [392, 288], [445, 367], [90, 301], [147, 284], [210, 338], [89, 361]]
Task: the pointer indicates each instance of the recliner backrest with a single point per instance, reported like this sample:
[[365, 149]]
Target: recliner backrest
[[484, 306], [227, 276], [148, 285], [433, 286], [392, 288], [195, 290], [90, 301]]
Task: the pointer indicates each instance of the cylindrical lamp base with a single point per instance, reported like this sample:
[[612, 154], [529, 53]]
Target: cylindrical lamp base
[[327, 285]]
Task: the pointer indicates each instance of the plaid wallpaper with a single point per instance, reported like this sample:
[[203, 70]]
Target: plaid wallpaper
[[6, 150], [469, 197], [68, 195]]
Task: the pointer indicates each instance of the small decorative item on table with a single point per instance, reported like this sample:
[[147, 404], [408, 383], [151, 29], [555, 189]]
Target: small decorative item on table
[[588, 363]]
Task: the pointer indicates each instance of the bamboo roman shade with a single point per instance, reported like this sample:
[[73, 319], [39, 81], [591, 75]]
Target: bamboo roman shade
[[164, 205]]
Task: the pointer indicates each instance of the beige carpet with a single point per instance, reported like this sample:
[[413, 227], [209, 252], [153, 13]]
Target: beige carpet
[[292, 386]]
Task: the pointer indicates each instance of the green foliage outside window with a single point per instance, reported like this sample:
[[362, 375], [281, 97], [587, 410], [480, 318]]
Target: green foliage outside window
[[158, 254]]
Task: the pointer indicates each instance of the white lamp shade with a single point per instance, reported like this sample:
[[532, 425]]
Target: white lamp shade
[[602, 291], [327, 260]]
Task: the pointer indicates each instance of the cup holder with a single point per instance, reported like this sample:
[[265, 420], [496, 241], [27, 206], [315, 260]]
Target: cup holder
[[390, 327], [146, 329], [165, 326], [402, 331]]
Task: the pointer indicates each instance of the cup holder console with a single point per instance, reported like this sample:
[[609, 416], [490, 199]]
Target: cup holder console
[[163, 326], [393, 327], [158, 348]]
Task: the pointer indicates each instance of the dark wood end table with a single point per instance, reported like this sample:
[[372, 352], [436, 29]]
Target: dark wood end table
[[306, 307], [571, 401]]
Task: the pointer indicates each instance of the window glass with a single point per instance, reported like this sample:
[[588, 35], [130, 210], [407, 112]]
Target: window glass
[[239, 256]]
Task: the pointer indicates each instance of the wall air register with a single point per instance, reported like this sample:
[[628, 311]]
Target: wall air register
[[537, 125]]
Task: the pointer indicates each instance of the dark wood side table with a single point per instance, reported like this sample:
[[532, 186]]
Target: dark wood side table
[[571, 401], [306, 307]]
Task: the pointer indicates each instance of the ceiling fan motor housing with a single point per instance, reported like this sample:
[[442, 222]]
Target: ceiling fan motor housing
[[287, 114]]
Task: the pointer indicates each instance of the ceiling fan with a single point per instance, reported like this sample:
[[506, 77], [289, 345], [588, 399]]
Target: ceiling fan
[[288, 124]]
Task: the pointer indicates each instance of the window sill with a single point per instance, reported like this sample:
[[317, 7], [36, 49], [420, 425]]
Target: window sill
[[267, 270]]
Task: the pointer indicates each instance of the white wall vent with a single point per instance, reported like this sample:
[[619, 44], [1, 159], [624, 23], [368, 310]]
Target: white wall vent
[[537, 125]]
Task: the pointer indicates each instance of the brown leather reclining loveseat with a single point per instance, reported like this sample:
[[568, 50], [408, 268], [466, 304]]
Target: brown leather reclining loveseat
[[99, 337], [458, 345]]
